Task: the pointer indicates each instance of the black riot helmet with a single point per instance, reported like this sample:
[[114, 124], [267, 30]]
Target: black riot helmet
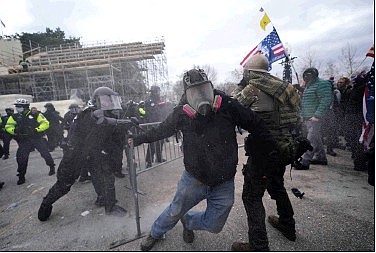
[[106, 99]]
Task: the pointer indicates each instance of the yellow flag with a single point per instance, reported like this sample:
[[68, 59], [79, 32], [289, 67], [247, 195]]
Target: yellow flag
[[264, 21]]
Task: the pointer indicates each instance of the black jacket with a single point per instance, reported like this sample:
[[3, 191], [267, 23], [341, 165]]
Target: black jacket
[[209, 143]]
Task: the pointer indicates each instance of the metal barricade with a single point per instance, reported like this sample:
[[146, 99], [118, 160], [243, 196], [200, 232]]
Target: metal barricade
[[137, 160]]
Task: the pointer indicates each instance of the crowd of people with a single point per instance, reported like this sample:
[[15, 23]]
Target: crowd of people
[[285, 125]]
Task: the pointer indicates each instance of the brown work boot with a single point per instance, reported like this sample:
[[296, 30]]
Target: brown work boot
[[287, 231], [244, 246]]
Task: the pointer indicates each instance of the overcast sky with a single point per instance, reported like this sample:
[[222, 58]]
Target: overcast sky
[[218, 33]]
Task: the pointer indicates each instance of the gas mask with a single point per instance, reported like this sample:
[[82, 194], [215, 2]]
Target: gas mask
[[200, 98]]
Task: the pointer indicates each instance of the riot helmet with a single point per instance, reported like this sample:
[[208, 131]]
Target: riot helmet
[[198, 91], [106, 99]]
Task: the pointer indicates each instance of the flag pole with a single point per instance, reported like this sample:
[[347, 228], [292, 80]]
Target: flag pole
[[287, 55], [356, 69]]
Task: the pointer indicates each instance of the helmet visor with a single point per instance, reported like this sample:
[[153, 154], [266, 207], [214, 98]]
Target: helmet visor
[[110, 102]]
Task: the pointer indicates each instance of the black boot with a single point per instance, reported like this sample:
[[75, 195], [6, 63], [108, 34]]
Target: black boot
[[115, 210], [21, 179], [52, 170], [1, 185], [44, 211]]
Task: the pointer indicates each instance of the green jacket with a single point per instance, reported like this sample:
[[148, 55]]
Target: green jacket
[[316, 99]]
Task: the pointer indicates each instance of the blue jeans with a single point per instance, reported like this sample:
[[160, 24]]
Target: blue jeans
[[189, 193]]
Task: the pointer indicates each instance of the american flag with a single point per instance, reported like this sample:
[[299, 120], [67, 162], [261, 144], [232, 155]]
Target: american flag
[[271, 46], [371, 52], [368, 128]]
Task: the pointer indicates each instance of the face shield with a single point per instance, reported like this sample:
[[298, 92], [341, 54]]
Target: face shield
[[200, 97], [109, 102]]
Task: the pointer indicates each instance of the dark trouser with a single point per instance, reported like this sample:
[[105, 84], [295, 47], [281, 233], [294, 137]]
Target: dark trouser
[[253, 191], [55, 137], [154, 148], [354, 130], [24, 149], [6, 140], [103, 179], [67, 172]]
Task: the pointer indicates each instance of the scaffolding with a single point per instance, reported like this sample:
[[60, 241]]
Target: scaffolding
[[54, 72]]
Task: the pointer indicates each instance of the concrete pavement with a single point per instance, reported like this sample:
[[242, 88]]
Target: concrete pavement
[[337, 212]]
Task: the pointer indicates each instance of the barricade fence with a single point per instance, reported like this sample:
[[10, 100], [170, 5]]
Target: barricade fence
[[148, 156], [156, 154]]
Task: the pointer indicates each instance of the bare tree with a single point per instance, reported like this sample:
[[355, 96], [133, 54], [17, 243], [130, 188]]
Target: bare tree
[[210, 72], [330, 70], [349, 59]]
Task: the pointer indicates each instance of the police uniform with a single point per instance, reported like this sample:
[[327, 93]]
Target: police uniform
[[28, 130]]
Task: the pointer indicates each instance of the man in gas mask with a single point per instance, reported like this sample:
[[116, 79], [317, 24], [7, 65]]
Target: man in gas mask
[[207, 119], [95, 132]]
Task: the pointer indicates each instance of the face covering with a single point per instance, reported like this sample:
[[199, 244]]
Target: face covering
[[20, 109], [200, 98]]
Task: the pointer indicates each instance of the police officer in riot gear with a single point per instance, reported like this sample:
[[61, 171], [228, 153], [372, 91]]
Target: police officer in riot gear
[[95, 132], [28, 130], [68, 118]]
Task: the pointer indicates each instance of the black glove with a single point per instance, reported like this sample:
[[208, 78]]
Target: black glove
[[135, 121]]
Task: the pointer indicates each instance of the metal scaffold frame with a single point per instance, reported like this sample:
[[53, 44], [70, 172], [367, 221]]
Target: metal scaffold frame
[[128, 68]]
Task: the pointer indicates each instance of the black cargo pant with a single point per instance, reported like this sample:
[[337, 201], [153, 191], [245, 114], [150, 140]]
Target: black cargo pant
[[253, 191], [25, 147], [69, 170], [67, 173], [103, 179]]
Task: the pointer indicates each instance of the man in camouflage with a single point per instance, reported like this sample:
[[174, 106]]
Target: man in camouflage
[[277, 102]]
